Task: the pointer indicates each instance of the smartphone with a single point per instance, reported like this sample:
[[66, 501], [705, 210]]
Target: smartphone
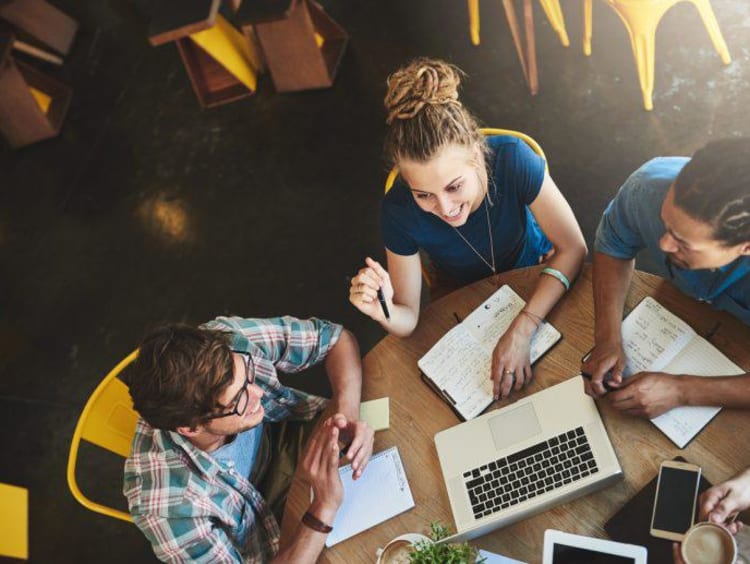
[[674, 503]]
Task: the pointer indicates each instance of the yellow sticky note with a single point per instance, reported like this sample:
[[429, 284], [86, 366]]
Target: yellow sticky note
[[376, 413], [14, 521]]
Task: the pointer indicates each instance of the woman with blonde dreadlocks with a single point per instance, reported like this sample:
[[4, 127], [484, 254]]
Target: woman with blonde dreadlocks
[[476, 206]]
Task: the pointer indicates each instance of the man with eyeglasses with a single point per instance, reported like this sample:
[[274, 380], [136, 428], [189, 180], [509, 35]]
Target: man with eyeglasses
[[692, 218], [219, 436]]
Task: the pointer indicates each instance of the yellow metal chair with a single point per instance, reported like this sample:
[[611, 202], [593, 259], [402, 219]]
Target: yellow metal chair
[[641, 18], [14, 521], [108, 420], [550, 7], [487, 131]]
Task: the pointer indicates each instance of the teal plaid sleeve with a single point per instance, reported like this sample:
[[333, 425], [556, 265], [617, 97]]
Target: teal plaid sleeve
[[290, 344]]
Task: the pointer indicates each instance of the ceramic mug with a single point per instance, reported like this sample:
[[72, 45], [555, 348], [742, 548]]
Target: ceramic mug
[[398, 549], [708, 543]]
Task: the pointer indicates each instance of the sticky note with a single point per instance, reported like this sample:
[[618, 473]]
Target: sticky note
[[376, 413]]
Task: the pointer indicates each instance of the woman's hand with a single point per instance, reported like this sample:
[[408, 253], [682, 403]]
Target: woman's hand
[[363, 292], [511, 365]]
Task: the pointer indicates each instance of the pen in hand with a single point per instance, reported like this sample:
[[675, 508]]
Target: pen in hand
[[381, 299]]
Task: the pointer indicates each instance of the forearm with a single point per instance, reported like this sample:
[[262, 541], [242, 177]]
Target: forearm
[[403, 320], [306, 544], [549, 290], [720, 391], [612, 278], [344, 369]]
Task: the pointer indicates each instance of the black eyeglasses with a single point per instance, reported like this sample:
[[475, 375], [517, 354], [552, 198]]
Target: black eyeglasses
[[240, 401]]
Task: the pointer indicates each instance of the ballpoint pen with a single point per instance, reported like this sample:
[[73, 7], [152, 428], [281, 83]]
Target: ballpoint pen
[[381, 299]]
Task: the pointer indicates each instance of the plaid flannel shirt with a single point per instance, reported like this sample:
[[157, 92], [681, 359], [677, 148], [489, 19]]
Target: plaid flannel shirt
[[189, 506]]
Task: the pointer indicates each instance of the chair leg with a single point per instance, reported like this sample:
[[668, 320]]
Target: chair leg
[[474, 21], [556, 19], [528, 19], [643, 49], [587, 15], [515, 32], [712, 26]]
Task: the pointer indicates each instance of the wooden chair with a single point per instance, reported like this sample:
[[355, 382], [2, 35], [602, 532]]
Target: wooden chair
[[108, 420], [641, 18]]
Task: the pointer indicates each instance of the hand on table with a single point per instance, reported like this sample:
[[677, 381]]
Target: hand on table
[[511, 366], [648, 394], [358, 436], [363, 292], [605, 358]]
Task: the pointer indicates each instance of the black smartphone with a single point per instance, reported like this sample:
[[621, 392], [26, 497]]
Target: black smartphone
[[676, 496]]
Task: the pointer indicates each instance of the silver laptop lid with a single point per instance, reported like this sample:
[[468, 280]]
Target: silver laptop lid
[[519, 434]]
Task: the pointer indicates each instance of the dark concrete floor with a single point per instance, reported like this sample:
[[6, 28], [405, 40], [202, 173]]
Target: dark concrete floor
[[147, 208]]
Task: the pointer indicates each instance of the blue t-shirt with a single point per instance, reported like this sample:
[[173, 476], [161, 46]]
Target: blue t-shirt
[[241, 453], [632, 223], [515, 173]]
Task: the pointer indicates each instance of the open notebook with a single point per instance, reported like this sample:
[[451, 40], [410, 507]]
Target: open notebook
[[656, 340], [458, 366], [380, 493]]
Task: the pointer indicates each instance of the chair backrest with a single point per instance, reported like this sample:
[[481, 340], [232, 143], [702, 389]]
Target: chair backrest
[[486, 131], [108, 420]]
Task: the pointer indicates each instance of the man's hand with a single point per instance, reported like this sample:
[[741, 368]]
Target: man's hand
[[357, 437], [720, 504], [320, 468], [511, 366], [606, 357], [648, 394]]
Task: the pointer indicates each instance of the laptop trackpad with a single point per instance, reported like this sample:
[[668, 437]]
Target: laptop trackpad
[[514, 426]]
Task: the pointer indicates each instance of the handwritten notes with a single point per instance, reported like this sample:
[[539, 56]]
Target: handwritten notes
[[459, 364], [656, 340], [380, 493]]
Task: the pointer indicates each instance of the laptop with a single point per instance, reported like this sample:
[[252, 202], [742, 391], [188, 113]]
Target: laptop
[[506, 465], [566, 548]]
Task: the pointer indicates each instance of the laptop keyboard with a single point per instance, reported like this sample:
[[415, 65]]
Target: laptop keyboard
[[526, 474]]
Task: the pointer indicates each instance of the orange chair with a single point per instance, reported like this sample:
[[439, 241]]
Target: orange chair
[[108, 420], [641, 18], [487, 131]]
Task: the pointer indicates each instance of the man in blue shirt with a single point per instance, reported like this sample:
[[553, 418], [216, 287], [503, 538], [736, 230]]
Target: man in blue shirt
[[692, 218]]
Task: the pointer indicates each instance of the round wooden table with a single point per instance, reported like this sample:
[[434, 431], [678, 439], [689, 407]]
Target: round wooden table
[[416, 414]]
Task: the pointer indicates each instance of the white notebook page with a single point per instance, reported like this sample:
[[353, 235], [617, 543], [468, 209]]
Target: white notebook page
[[380, 493], [461, 361], [652, 336], [699, 358]]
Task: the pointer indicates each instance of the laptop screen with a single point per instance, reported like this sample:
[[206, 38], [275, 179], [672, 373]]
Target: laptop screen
[[575, 555]]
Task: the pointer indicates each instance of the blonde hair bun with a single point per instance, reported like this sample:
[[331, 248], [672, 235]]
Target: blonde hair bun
[[422, 82]]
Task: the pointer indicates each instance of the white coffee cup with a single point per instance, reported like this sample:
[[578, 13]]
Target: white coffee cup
[[708, 543], [398, 549]]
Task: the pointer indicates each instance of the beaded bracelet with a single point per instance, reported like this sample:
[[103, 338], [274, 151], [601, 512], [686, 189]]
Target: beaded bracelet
[[559, 275], [315, 524]]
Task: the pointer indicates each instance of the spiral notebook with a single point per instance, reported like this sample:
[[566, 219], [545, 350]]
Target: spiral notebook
[[380, 493], [458, 366]]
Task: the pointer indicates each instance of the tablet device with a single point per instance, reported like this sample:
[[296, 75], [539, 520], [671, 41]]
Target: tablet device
[[566, 548]]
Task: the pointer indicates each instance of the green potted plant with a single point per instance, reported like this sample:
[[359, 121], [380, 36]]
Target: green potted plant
[[420, 549]]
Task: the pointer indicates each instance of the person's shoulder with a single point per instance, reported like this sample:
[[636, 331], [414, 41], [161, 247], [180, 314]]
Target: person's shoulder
[[653, 178], [399, 196]]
